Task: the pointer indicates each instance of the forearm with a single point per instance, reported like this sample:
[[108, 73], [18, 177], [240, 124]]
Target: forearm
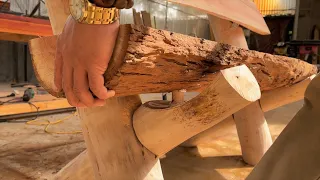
[[120, 4]]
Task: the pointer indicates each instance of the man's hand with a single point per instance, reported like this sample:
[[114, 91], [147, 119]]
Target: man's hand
[[82, 57]]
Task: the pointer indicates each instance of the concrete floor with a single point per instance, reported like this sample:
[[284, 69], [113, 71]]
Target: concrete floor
[[27, 152]]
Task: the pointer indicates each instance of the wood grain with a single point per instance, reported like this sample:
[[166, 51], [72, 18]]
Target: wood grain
[[113, 149], [161, 127], [162, 61], [24, 25], [243, 12], [294, 155]]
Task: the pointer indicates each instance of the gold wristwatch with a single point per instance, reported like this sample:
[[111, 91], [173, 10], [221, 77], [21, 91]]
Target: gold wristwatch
[[86, 12]]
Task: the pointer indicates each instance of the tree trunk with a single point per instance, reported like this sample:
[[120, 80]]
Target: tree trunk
[[175, 61]]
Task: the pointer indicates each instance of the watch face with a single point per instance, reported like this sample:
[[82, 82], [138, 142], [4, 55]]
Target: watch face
[[77, 8]]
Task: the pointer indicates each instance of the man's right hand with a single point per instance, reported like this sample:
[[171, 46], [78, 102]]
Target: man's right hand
[[82, 57]]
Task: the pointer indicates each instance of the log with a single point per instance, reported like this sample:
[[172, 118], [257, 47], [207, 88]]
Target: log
[[78, 168], [252, 127], [192, 62], [270, 100], [206, 137], [113, 148], [178, 96], [161, 127], [253, 132], [279, 97], [146, 18]]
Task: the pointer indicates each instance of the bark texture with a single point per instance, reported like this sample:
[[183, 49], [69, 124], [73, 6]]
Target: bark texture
[[146, 60]]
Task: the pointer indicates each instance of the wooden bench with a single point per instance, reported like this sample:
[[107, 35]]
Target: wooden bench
[[125, 139]]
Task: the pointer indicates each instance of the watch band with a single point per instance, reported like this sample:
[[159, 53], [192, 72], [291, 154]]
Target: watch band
[[100, 15]]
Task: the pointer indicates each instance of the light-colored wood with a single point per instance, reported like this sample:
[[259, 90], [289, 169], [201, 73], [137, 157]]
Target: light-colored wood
[[243, 12], [188, 63], [294, 155], [146, 18], [227, 32], [270, 100], [58, 11], [161, 127], [212, 134], [275, 98], [253, 130], [77, 169], [113, 149]]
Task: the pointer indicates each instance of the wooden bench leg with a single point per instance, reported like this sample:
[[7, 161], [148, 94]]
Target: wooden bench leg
[[253, 132], [250, 121], [114, 151]]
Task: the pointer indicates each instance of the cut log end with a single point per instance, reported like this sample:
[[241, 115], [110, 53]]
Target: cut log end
[[243, 81], [161, 126]]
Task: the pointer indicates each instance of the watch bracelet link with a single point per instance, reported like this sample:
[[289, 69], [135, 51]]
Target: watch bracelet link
[[100, 15]]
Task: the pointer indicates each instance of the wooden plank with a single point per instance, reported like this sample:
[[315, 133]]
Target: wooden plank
[[162, 61], [20, 108], [137, 17], [146, 18], [243, 12], [24, 25]]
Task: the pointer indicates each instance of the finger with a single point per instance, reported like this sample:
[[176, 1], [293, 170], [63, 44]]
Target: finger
[[120, 4], [58, 70], [81, 87], [129, 4], [67, 84], [107, 3], [96, 83]]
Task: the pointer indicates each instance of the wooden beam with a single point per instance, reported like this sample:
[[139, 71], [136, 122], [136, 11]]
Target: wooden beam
[[243, 12], [15, 37], [160, 127], [269, 100], [137, 17], [113, 149], [146, 18], [175, 61], [279, 97], [24, 25]]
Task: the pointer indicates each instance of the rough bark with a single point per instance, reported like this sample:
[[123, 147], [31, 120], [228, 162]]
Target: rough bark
[[147, 60]]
